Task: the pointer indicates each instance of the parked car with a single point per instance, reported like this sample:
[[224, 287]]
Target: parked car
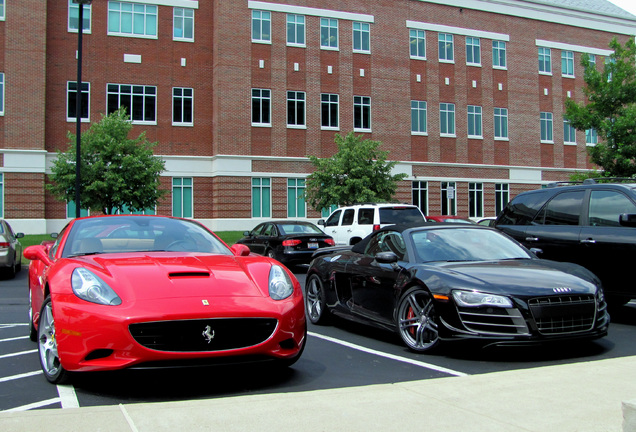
[[10, 250], [290, 242], [592, 224], [444, 282], [126, 291], [449, 219], [349, 225]]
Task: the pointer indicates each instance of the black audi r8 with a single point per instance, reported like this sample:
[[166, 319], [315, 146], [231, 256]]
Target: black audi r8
[[443, 282]]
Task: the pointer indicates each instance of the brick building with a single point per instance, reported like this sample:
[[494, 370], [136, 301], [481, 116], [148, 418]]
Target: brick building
[[467, 95]]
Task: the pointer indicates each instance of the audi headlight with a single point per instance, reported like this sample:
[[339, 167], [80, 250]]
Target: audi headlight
[[88, 286], [477, 299], [280, 285]]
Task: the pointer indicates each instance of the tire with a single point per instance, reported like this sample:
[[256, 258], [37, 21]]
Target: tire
[[47, 346], [315, 304], [417, 321], [270, 253]]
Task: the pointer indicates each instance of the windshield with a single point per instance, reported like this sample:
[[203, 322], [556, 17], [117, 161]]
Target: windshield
[[465, 244]]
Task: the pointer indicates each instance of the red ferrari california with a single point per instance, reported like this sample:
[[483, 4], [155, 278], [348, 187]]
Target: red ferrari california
[[125, 291]]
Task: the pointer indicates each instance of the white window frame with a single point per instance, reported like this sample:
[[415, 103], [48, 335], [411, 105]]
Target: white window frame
[[2, 16], [419, 115], [2, 195], [265, 210], [547, 119], [475, 119], [567, 64], [569, 133], [330, 103], [443, 46], [419, 38], [547, 59], [498, 47], [362, 112], [74, 8], [419, 188], [502, 196], [448, 200], [296, 25], [448, 114], [294, 99], [183, 19], [146, 95], [330, 25], [183, 187], [476, 200], [262, 99], [183, 97], [147, 12], [591, 137], [474, 49], [364, 31], [263, 17], [297, 192], [86, 96], [501, 120], [2, 93]]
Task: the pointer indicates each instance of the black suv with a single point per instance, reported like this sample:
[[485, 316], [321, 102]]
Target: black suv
[[591, 224]]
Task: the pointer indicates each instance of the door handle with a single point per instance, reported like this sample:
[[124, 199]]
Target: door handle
[[588, 241], [532, 239]]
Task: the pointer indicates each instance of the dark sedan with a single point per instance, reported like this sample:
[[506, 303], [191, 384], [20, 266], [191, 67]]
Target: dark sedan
[[290, 242], [445, 282], [10, 250]]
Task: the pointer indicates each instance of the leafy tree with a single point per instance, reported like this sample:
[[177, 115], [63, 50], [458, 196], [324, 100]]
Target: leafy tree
[[610, 109], [116, 172], [357, 172]]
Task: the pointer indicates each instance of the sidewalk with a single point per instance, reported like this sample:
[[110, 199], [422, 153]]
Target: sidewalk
[[577, 397]]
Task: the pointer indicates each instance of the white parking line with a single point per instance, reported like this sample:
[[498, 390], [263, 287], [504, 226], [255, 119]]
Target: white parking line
[[33, 405], [389, 356], [18, 353], [13, 339], [2, 326], [67, 396], [24, 375]]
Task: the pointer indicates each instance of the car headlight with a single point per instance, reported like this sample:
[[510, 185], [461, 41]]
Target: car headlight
[[280, 285], [88, 286], [477, 299]]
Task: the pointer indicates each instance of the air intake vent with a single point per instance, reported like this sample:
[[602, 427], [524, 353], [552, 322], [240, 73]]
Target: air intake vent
[[189, 274]]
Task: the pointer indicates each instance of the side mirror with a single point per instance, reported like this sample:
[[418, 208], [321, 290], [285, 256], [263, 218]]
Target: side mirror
[[386, 257], [19, 235], [627, 220], [321, 222], [37, 253], [536, 251], [239, 250], [246, 233]]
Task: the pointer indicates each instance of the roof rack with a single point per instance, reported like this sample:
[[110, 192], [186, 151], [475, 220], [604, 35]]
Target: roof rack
[[590, 181], [563, 183]]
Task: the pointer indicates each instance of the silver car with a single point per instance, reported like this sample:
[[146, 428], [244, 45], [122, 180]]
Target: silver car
[[10, 250]]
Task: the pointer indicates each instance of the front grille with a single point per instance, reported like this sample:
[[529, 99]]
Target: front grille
[[495, 321], [207, 335], [563, 314]]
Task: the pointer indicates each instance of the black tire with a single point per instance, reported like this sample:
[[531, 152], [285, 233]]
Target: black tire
[[417, 321], [270, 253], [47, 346], [315, 303]]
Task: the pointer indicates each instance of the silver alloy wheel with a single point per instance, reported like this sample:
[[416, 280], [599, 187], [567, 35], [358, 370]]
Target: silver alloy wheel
[[314, 300], [47, 344], [417, 321]]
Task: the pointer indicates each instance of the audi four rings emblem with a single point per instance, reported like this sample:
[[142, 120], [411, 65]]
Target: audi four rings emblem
[[562, 290], [208, 334]]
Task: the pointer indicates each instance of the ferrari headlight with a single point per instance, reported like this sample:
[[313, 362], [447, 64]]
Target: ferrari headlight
[[280, 285], [477, 299], [88, 286]]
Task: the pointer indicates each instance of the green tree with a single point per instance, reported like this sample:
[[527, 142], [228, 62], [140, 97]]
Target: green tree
[[610, 109], [117, 173], [357, 172]]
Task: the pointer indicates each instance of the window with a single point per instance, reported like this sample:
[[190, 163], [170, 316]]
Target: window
[[261, 197], [563, 209], [182, 197], [361, 37], [606, 206], [140, 101], [296, 198], [183, 24], [334, 219], [546, 127], [2, 195], [417, 44], [418, 117], [445, 42], [591, 137], [329, 33], [475, 200], [295, 30], [182, 106], [73, 17], [569, 133], [499, 54], [1, 18], [361, 113], [567, 63], [1, 93], [502, 196], [447, 119], [261, 107], [71, 101], [71, 209], [261, 26], [501, 123], [329, 111], [545, 61], [327, 211], [474, 121], [134, 19], [592, 59], [449, 203], [473, 51], [419, 190], [295, 108]]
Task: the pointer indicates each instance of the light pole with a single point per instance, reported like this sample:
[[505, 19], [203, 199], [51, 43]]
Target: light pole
[[78, 105]]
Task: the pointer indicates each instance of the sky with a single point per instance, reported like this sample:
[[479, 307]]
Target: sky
[[628, 5]]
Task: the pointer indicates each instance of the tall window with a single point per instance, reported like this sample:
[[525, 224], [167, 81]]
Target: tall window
[[1, 93], [183, 24], [261, 107], [475, 200], [140, 101], [261, 197], [417, 43], [418, 117], [569, 133], [1, 18], [361, 113], [445, 42], [134, 19], [545, 60], [447, 119], [328, 33], [592, 59], [502, 196], [449, 200], [567, 63], [501, 123], [419, 190], [73, 16], [261, 26], [361, 37], [182, 197], [546, 127], [70, 210], [473, 51], [329, 110], [1, 194], [296, 30], [295, 108], [591, 137], [474, 121], [296, 206], [182, 106], [499, 54], [71, 101]]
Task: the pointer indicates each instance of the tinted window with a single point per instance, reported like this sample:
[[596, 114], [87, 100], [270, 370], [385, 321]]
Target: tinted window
[[365, 216], [333, 219], [347, 218], [387, 241], [522, 209], [400, 215], [606, 206], [270, 230], [563, 209]]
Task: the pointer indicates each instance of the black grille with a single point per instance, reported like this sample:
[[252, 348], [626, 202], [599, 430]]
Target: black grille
[[206, 335], [563, 314], [499, 321]]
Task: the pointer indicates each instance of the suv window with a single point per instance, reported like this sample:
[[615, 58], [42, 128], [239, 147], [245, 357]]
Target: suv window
[[400, 215], [606, 206], [333, 219], [522, 209], [365, 216], [563, 209], [347, 218]]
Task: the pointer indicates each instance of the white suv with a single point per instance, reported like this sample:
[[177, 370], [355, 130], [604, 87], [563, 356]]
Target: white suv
[[349, 225]]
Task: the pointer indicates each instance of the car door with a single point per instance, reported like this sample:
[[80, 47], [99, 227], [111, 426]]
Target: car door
[[332, 225], [251, 238], [345, 229], [264, 239]]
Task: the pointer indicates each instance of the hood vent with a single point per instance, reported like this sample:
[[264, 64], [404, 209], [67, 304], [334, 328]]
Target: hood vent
[[190, 274]]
